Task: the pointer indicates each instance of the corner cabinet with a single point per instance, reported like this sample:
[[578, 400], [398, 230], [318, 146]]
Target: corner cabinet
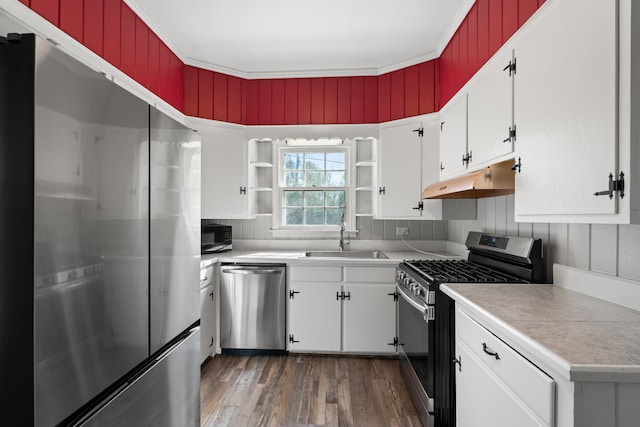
[[237, 174], [336, 309], [408, 161]]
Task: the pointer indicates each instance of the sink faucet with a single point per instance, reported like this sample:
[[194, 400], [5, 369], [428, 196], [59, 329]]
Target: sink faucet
[[342, 239]]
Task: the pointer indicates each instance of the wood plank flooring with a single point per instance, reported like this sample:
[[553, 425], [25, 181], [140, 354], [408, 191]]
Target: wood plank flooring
[[304, 390]]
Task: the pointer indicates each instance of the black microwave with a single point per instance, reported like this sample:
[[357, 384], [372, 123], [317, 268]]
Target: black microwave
[[215, 238]]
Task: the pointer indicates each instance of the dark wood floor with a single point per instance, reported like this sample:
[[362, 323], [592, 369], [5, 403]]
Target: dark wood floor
[[304, 390]]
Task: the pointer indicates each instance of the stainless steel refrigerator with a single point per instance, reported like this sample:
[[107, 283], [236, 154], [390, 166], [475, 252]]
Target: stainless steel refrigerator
[[99, 249]]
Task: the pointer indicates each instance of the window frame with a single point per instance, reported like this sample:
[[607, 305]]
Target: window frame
[[281, 230]]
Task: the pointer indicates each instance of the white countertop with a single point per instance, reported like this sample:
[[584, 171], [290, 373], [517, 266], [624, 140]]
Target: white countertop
[[581, 337]]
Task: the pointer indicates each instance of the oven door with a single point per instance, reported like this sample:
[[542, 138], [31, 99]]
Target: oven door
[[416, 339]]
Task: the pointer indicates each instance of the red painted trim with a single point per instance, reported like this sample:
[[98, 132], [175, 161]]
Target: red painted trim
[[277, 102], [48, 9], [142, 52], [436, 85], [357, 100], [495, 26], [304, 101], [483, 32], [317, 101], [427, 85], [472, 40], [71, 18], [509, 19], [412, 91], [371, 100], [127, 41], [93, 25], [26, 2], [397, 94], [252, 88], [526, 8], [235, 98], [112, 32], [205, 94], [191, 91], [220, 97], [463, 61], [264, 102], [384, 97], [330, 100], [154, 65], [344, 100], [291, 101]]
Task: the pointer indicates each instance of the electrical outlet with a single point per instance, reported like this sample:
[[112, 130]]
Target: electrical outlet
[[402, 232]]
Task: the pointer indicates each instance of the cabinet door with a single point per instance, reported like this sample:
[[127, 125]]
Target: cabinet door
[[565, 110], [207, 322], [369, 318], [490, 103], [453, 136], [224, 173], [314, 317], [399, 164], [482, 400]]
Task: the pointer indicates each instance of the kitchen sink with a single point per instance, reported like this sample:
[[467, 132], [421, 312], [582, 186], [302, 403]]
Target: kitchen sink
[[346, 254]]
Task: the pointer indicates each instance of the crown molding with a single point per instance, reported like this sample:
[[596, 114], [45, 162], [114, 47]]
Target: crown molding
[[453, 26]]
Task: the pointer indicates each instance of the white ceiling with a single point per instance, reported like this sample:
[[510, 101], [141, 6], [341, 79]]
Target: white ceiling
[[285, 38]]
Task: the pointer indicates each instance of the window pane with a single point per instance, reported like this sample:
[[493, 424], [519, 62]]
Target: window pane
[[333, 216], [315, 179], [314, 198], [293, 198], [336, 179], [335, 198], [314, 216], [336, 161], [293, 179], [292, 216], [314, 161], [293, 161]]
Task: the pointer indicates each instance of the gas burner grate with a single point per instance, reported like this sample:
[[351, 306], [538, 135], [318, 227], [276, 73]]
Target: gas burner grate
[[459, 271]]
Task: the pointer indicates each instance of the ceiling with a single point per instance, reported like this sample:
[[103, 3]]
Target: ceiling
[[286, 38]]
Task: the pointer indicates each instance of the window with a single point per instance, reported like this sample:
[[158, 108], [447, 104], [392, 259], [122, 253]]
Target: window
[[313, 187]]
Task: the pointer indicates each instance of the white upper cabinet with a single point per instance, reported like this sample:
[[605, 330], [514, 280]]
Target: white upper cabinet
[[399, 168], [225, 171], [453, 136], [490, 111], [408, 161], [566, 113]]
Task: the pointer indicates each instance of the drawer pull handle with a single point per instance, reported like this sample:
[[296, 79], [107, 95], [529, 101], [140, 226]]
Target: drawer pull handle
[[489, 352]]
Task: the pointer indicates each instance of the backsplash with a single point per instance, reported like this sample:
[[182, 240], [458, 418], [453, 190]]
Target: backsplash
[[603, 248], [368, 229]]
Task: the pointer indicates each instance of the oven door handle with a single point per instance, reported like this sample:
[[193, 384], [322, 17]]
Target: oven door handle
[[421, 308]]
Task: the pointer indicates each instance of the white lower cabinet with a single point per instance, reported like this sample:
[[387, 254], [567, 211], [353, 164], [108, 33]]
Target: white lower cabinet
[[495, 385], [329, 314], [207, 313]]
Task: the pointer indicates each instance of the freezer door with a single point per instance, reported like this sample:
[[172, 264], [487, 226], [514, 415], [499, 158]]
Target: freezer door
[[175, 228], [166, 395], [91, 224]]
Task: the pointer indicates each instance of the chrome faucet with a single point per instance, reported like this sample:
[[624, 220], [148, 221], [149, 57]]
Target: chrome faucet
[[343, 225]]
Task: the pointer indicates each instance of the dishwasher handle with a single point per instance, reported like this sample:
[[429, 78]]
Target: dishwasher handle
[[245, 270]]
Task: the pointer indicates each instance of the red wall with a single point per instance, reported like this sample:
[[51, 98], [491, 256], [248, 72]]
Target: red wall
[[112, 30], [487, 26]]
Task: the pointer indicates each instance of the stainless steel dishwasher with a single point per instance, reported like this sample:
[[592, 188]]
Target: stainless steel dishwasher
[[252, 308]]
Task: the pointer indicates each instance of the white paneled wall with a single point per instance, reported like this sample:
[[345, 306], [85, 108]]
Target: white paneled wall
[[609, 249], [368, 229]]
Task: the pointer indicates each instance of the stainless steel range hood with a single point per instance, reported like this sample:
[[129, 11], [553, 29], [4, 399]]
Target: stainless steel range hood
[[495, 180]]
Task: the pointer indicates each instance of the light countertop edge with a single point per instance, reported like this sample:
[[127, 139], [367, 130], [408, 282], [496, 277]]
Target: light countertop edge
[[536, 352]]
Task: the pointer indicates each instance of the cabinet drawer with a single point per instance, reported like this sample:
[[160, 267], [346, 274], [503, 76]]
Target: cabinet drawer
[[534, 387], [206, 276], [316, 274], [370, 274]]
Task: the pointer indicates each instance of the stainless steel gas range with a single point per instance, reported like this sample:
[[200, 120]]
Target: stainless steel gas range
[[426, 315]]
